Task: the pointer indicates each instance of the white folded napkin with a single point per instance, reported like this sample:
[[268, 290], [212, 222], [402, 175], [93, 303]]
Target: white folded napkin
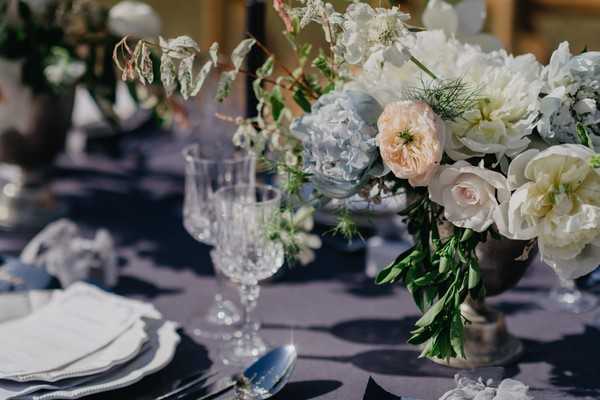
[[76, 323]]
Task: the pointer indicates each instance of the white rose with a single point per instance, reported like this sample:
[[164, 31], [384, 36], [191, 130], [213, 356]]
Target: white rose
[[471, 195], [134, 18], [558, 202]]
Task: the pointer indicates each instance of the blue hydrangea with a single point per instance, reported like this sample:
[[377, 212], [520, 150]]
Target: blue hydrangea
[[572, 96], [339, 141]]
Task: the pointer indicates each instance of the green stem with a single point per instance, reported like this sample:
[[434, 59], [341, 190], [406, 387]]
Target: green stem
[[423, 67]]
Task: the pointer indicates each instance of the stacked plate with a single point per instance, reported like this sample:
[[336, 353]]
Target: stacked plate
[[79, 342]]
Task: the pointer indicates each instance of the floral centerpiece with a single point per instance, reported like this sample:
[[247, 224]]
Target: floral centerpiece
[[488, 144]]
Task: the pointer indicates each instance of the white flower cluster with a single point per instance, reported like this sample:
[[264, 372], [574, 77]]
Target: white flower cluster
[[372, 37], [508, 88], [571, 95]]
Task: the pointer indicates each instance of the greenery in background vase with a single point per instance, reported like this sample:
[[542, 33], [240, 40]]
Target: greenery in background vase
[[455, 127], [62, 44]]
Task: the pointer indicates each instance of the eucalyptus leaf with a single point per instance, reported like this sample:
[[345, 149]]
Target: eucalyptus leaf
[[240, 52], [181, 47], [300, 99], [185, 76], [457, 335], [277, 103], [390, 274], [267, 68], [224, 85], [432, 313], [168, 75], [201, 78], [213, 52], [146, 67], [474, 275]]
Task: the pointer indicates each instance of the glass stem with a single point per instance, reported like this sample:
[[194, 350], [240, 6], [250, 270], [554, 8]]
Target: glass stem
[[248, 297], [220, 287], [567, 284]]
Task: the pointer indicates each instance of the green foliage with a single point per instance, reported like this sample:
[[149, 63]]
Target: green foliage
[[449, 99], [322, 65], [583, 136], [345, 226], [294, 178], [32, 42], [300, 99], [595, 161], [277, 103], [439, 273]]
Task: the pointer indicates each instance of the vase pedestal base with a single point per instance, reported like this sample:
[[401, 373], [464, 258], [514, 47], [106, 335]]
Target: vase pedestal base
[[487, 340], [26, 204]]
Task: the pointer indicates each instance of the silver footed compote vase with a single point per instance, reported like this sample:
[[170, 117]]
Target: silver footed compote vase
[[488, 342], [27, 154]]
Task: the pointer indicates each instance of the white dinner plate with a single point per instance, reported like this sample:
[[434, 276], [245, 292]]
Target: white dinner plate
[[163, 341]]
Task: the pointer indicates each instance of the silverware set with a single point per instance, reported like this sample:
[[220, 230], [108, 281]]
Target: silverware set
[[260, 381]]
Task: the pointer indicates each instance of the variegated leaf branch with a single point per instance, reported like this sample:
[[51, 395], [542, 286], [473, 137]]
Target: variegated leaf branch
[[177, 58]]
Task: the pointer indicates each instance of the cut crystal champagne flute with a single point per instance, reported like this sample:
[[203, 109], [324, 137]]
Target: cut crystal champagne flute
[[247, 255], [209, 168]]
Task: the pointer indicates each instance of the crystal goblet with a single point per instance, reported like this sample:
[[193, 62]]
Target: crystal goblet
[[247, 256], [207, 170]]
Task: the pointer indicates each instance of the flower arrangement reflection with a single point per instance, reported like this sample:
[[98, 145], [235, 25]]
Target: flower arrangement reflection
[[389, 107]]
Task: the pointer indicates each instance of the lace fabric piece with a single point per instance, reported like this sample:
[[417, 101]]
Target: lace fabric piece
[[470, 389], [70, 257]]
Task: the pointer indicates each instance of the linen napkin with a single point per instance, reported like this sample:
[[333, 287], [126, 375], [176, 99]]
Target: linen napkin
[[76, 323]]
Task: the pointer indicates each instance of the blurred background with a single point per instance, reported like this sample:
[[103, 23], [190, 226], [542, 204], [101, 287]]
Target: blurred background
[[535, 26]]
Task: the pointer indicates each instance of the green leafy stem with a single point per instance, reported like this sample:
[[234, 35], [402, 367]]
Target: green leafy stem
[[440, 273]]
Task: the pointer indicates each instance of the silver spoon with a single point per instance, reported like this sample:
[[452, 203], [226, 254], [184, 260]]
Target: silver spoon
[[260, 381]]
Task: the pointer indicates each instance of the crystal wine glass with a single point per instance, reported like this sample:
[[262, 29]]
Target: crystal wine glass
[[207, 170], [567, 297], [247, 256]]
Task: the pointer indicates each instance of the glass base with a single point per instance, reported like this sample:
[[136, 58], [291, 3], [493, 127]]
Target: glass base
[[219, 322], [572, 300], [242, 351]]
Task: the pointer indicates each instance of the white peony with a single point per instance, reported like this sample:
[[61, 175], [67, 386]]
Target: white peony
[[16, 99], [373, 37], [134, 18], [464, 20], [471, 196], [507, 86], [557, 201]]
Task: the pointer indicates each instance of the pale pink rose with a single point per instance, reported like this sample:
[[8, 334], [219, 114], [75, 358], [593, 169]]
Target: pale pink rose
[[280, 8], [411, 140], [473, 197]]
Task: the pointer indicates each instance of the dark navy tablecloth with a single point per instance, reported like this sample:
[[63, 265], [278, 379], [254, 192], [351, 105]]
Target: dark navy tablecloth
[[344, 327]]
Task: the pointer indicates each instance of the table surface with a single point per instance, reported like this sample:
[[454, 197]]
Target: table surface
[[345, 328]]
